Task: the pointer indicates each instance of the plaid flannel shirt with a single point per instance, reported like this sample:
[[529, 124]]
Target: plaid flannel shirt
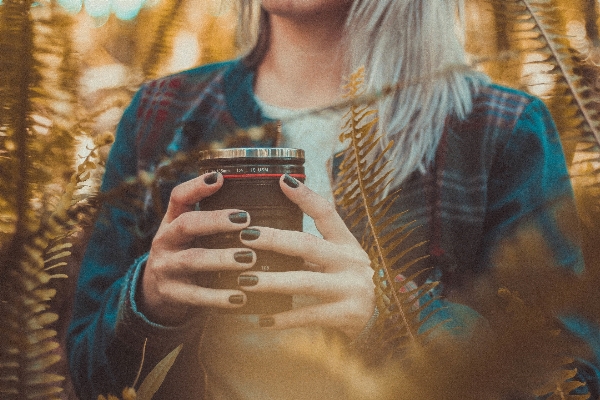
[[500, 168]]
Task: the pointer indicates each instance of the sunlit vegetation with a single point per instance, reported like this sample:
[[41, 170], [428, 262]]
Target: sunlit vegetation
[[68, 69]]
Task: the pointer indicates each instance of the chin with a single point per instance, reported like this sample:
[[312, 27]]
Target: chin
[[300, 8]]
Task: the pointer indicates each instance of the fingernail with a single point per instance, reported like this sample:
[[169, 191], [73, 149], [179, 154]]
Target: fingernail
[[247, 280], [266, 321], [211, 179], [291, 182], [239, 217], [244, 257], [236, 299], [249, 234]]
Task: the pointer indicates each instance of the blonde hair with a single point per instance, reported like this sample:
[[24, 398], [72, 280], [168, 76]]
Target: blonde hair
[[418, 42]]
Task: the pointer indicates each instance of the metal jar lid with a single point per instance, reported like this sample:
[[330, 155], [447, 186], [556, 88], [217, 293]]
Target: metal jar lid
[[252, 152]]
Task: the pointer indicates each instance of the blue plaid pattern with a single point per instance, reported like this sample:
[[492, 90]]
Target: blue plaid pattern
[[500, 169]]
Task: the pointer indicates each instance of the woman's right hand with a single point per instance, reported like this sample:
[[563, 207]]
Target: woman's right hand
[[169, 288]]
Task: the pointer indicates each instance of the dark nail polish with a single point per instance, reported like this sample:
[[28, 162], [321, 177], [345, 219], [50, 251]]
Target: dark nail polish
[[239, 218], [290, 181], [211, 179], [244, 257], [247, 280], [249, 234], [266, 321], [236, 299]]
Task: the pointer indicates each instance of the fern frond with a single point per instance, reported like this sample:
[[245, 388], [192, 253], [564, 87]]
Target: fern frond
[[563, 389], [536, 32], [364, 177], [38, 95], [161, 46], [17, 76], [218, 42]]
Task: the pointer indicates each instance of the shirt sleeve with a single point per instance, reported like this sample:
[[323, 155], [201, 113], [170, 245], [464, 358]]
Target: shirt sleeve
[[107, 332], [529, 189], [532, 209]]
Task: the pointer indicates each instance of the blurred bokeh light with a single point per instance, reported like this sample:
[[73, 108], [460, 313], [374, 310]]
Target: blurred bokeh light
[[123, 9], [186, 51]]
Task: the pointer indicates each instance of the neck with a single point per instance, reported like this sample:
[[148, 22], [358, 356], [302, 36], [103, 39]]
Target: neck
[[303, 65]]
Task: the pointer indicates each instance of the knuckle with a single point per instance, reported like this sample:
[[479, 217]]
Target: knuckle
[[155, 265], [364, 263], [310, 285], [362, 281], [325, 209], [346, 284], [267, 235], [368, 274], [179, 225], [362, 257], [177, 194], [361, 285], [357, 255], [225, 258], [309, 242], [214, 220], [161, 238], [163, 292], [186, 259], [159, 269], [158, 241], [366, 260], [369, 287], [190, 225]]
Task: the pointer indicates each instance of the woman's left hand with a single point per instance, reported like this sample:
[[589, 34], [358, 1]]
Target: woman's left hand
[[339, 271]]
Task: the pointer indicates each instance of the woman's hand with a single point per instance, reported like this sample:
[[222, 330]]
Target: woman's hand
[[339, 269], [169, 286]]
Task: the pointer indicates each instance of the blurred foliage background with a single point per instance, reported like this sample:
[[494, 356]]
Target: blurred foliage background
[[69, 68]]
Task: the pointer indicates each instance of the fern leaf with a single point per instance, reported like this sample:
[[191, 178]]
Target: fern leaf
[[360, 191], [38, 95], [160, 47], [536, 34], [563, 389]]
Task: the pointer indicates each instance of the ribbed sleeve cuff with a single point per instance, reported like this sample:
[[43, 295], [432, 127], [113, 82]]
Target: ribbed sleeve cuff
[[134, 327]]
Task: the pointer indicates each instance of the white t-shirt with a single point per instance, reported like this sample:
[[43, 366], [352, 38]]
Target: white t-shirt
[[245, 362], [317, 135]]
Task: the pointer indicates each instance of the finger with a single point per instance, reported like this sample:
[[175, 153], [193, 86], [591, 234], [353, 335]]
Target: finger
[[344, 316], [189, 295], [312, 249], [325, 286], [326, 218], [188, 226], [194, 260], [310, 266], [185, 195]]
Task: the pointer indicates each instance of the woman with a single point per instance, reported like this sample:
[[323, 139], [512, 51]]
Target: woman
[[460, 153]]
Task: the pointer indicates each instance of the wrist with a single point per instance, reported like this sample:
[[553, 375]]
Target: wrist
[[149, 304]]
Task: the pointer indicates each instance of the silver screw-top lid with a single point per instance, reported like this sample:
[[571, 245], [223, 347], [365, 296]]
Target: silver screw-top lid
[[251, 152]]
